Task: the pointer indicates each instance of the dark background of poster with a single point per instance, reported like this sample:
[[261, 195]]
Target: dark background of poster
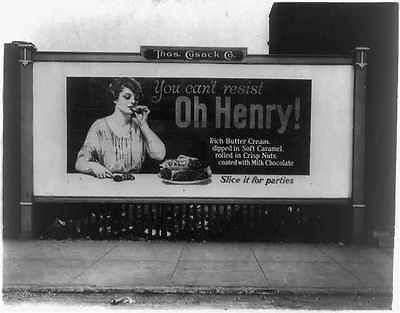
[[88, 99]]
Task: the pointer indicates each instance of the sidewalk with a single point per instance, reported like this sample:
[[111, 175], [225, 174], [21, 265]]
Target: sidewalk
[[100, 266]]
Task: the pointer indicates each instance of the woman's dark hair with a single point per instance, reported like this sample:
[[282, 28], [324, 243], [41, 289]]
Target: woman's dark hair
[[119, 83]]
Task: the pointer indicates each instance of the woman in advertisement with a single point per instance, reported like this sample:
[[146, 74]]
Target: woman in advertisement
[[119, 143]]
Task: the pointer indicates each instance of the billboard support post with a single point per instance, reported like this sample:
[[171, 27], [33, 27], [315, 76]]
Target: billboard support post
[[358, 181], [26, 144]]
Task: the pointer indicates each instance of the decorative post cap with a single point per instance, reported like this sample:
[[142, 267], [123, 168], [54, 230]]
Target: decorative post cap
[[360, 56], [25, 51], [362, 48]]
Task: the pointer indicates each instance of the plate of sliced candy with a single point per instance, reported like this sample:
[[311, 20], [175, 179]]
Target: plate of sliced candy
[[185, 170]]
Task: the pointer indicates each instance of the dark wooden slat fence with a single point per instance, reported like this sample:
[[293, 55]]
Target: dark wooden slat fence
[[194, 222]]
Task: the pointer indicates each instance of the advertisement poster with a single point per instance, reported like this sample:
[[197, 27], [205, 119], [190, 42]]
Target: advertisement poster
[[192, 130], [231, 126]]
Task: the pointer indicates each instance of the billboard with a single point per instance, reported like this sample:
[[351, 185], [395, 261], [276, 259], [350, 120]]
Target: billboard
[[192, 130]]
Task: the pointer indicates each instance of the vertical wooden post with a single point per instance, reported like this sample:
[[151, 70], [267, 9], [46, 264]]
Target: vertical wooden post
[[26, 198], [11, 139], [358, 189]]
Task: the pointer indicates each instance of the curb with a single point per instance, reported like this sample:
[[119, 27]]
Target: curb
[[209, 290]]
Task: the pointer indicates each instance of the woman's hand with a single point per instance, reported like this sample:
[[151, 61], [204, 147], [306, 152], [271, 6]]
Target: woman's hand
[[100, 171], [140, 115]]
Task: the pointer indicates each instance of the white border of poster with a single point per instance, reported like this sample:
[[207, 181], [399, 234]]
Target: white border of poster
[[331, 135]]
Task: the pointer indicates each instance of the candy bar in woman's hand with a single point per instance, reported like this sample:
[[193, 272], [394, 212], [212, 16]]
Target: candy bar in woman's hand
[[118, 177], [121, 177]]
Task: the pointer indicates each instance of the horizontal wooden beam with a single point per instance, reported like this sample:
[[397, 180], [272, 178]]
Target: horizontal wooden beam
[[44, 56], [170, 200]]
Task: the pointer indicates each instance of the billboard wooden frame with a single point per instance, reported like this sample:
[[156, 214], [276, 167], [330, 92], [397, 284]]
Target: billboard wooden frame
[[29, 55]]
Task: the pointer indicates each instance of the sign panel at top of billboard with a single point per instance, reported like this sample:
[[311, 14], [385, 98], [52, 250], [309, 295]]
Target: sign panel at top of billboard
[[193, 54]]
